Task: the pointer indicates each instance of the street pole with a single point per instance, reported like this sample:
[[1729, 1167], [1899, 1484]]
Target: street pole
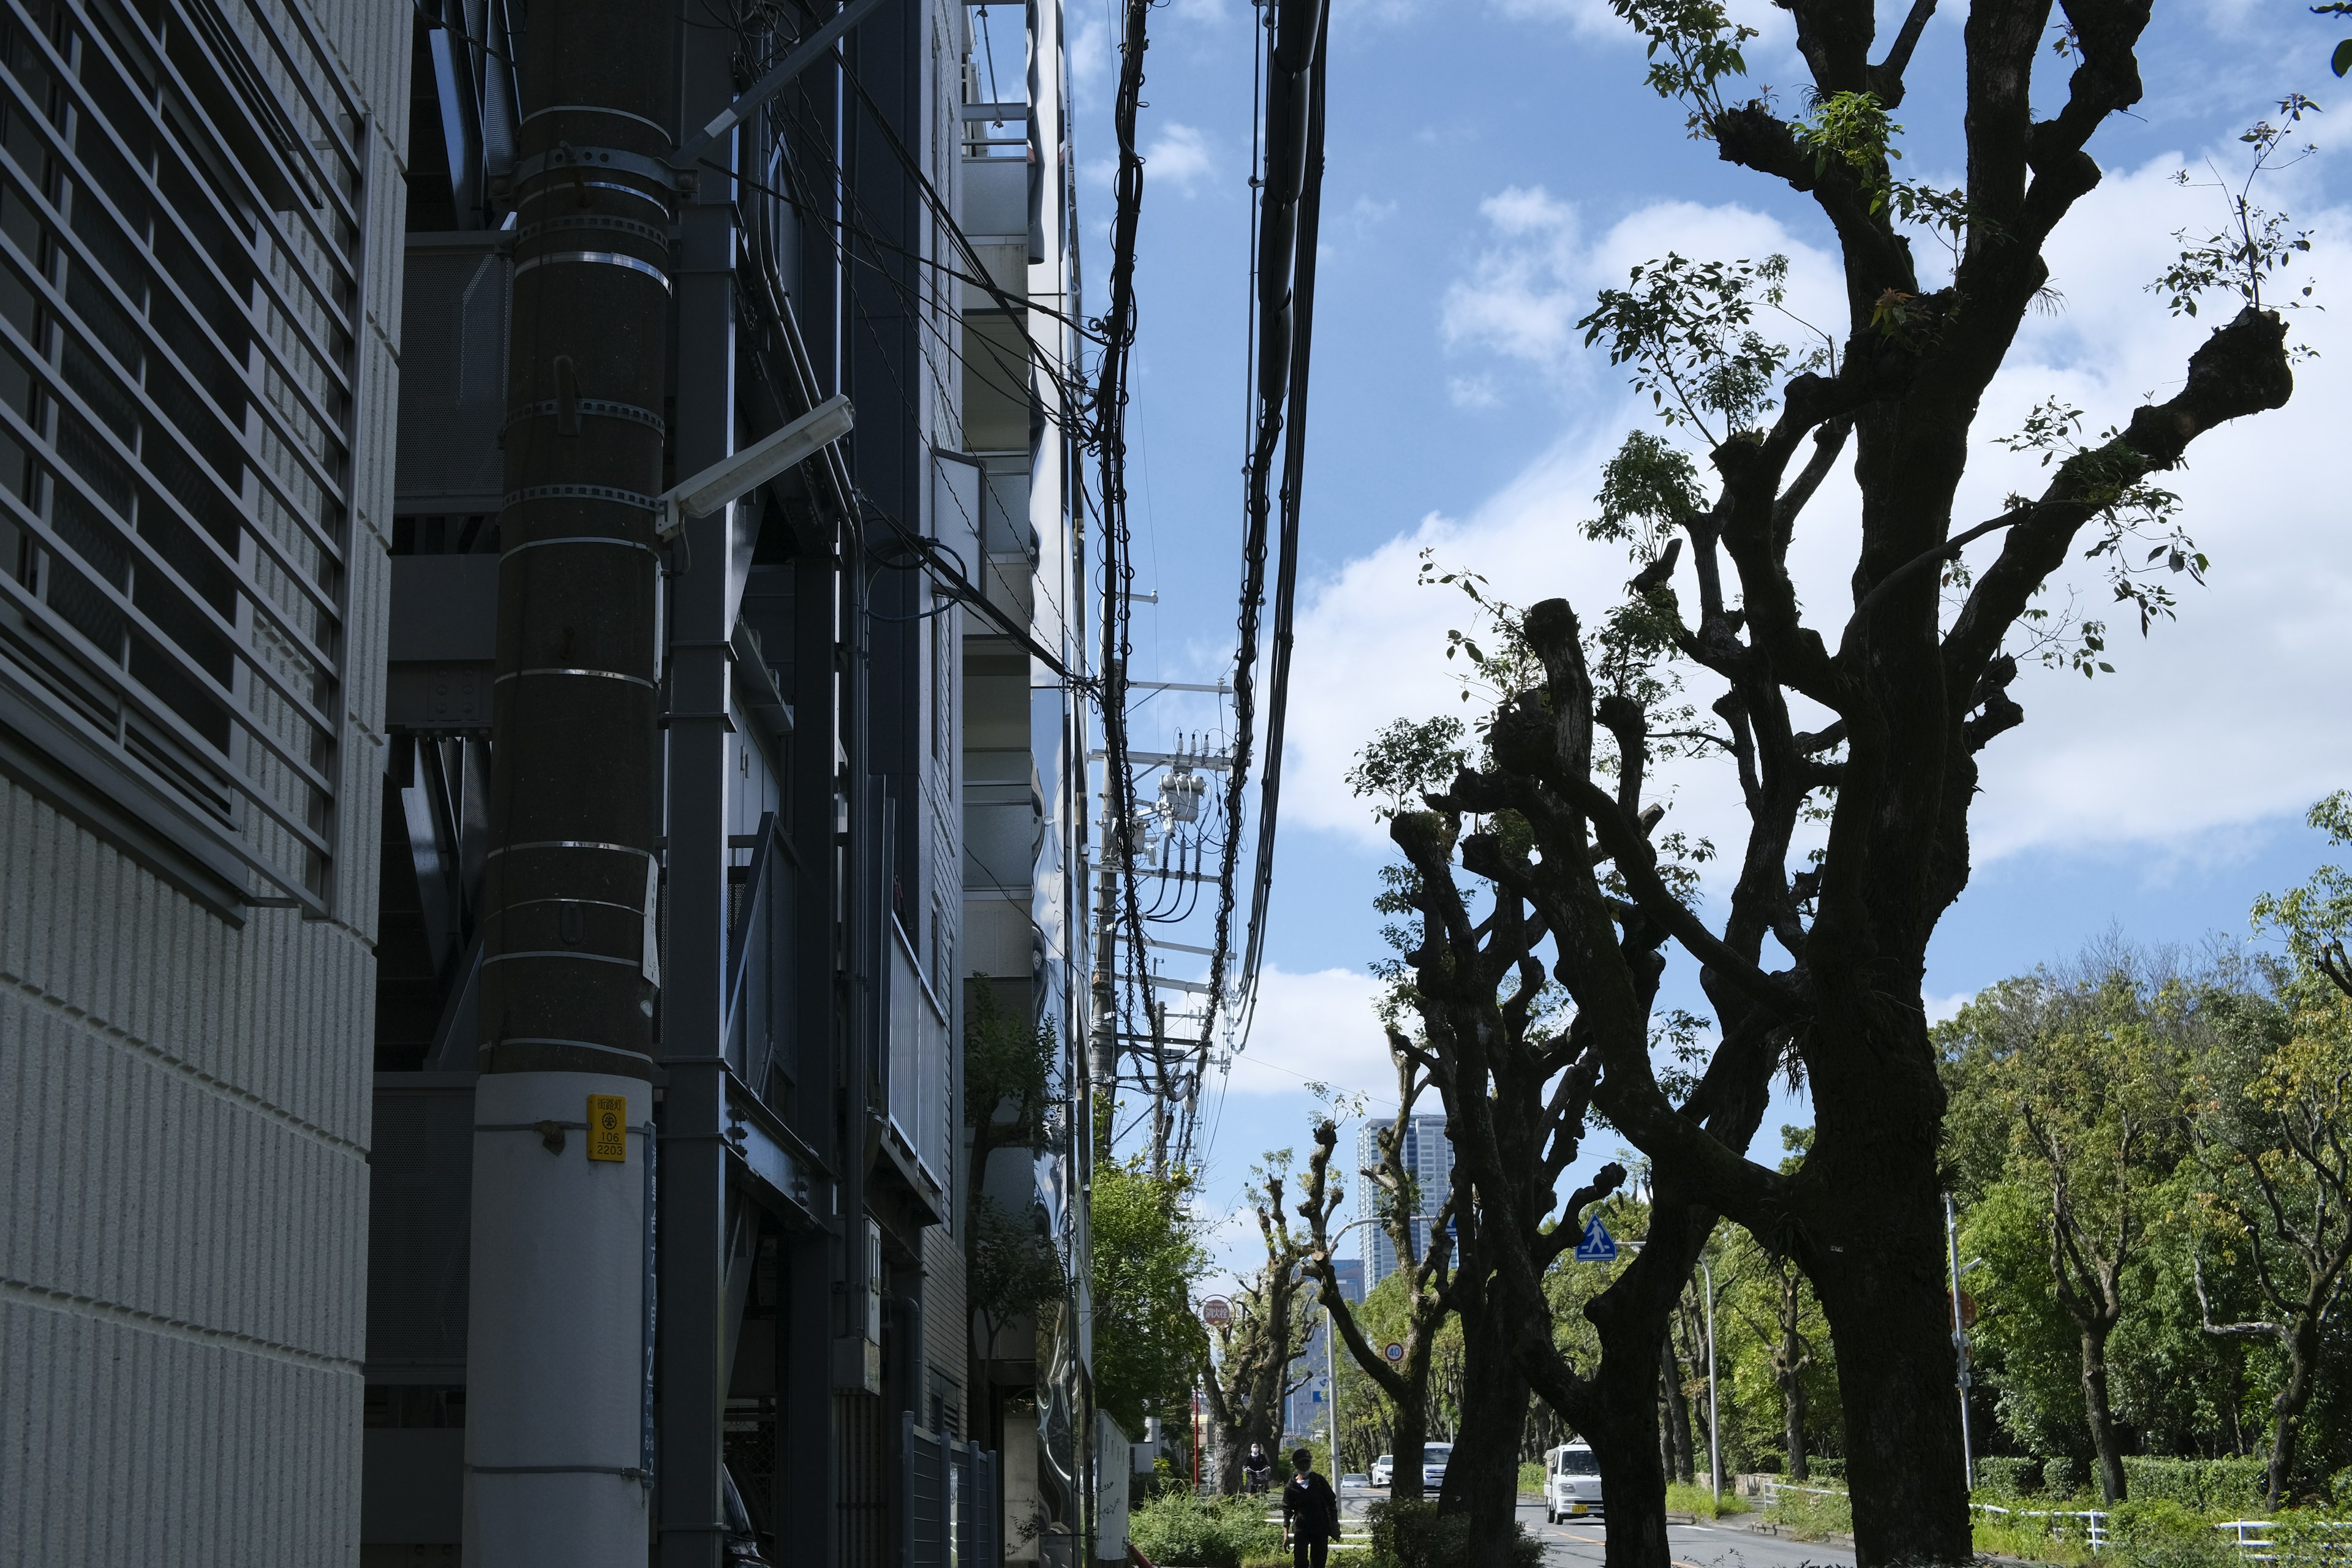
[[1959, 1343], [1331, 1380], [1714, 1446], [558, 1448]]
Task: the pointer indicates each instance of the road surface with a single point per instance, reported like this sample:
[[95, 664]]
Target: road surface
[[1692, 1545], [1578, 1544]]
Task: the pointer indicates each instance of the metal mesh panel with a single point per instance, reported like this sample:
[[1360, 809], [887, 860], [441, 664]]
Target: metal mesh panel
[[181, 239], [455, 299]]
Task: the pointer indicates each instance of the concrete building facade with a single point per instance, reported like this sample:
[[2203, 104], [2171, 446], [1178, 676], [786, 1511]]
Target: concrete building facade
[[200, 279]]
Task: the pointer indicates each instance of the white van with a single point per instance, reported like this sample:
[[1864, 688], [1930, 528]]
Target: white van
[[1571, 1483]]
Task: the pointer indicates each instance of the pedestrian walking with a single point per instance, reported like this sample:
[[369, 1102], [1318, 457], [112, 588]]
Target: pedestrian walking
[[1310, 1513]]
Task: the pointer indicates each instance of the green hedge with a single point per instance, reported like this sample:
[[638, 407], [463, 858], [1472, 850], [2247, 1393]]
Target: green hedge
[[1825, 1466], [2001, 1475], [2063, 1475], [1414, 1535], [2158, 1532], [1204, 1532], [2224, 1488]]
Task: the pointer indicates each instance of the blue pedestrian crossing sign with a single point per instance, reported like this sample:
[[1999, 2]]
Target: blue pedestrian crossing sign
[[1598, 1245]]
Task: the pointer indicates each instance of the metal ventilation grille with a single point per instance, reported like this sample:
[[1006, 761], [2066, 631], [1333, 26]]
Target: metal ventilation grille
[[453, 380], [182, 230]]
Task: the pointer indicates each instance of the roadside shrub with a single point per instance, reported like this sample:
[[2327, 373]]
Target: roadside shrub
[[2309, 1538], [1532, 1477], [1826, 1466], [2223, 1487], [2032, 1539], [2063, 1475], [1769, 1464], [2008, 1477], [1414, 1535], [2158, 1532], [1179, 1528], [1700, 1502], [1812, 1516]]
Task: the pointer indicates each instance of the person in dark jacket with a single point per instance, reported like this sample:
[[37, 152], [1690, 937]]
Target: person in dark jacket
[[1310, 1513]]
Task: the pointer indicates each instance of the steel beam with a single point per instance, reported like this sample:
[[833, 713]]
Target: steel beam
[[692, 1522]]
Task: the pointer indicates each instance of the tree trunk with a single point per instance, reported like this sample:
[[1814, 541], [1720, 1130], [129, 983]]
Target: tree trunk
[[2286, 1410], [2100, 1414], [1793, 1417], [1678, 1416], [1411, 1433], [1623, 1426], [1868, 1211], [1482, 1478]]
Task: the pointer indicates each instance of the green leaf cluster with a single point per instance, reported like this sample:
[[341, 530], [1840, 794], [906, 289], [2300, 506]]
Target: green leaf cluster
[[1148, 1256]]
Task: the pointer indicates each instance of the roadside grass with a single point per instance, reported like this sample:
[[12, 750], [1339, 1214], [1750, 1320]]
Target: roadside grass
[[2030, 1539], [1812, 1516], [1682, 1498]]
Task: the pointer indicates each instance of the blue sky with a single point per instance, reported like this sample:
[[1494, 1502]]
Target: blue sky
[[1492, 162]]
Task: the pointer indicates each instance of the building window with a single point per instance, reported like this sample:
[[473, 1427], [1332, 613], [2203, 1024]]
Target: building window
[[181, 236]]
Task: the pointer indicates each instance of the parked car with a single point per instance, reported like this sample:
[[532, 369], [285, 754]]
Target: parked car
[[1571, 1483], [1433, 1464], [739, 1547], [1384, 1469]]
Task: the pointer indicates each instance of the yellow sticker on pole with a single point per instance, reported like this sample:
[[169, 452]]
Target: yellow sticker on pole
[[608, 1127]]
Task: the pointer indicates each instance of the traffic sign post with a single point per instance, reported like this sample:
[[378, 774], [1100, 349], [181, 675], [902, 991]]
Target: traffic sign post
[[1217, 1312], [1395, 1353], [1598, 1245]]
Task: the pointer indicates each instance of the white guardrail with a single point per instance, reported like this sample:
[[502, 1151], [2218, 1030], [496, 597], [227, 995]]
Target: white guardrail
[[2251, 1537]]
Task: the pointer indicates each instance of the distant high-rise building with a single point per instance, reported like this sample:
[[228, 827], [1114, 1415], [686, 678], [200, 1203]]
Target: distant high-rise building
[[1429, 1158], [1305, 1416]]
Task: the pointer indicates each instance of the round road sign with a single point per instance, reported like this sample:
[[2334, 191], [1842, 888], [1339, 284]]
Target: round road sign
[[1395, 1351], [1217, 1312]]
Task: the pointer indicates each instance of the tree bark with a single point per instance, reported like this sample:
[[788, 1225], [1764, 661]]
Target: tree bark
[[2302, 1345], [1482, 1478], [1873, 1226], [1678, 1415], [1412, 1435], [1620, 1420], [2099, 1414]]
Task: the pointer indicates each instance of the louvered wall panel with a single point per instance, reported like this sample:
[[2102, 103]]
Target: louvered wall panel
[[185, 1100]]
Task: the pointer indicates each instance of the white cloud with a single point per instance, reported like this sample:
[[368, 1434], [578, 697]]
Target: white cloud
[[1316, 1027], [1524, 293], [1473, 392], [2226, 716], [1090, 59], [1527, 289], [1179, 156], [1943, 1008]]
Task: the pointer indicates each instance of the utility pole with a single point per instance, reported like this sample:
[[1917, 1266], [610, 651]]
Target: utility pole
[[1959, 1343], [1331, 1380], [558, 1440], [1714, 1443]]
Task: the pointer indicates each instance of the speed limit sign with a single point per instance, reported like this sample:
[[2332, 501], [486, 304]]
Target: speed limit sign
[[1395, 1353]]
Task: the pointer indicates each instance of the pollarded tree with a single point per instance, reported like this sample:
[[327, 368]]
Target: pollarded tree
[[1898, 690], [1422, 1274], [1244, 1391]]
